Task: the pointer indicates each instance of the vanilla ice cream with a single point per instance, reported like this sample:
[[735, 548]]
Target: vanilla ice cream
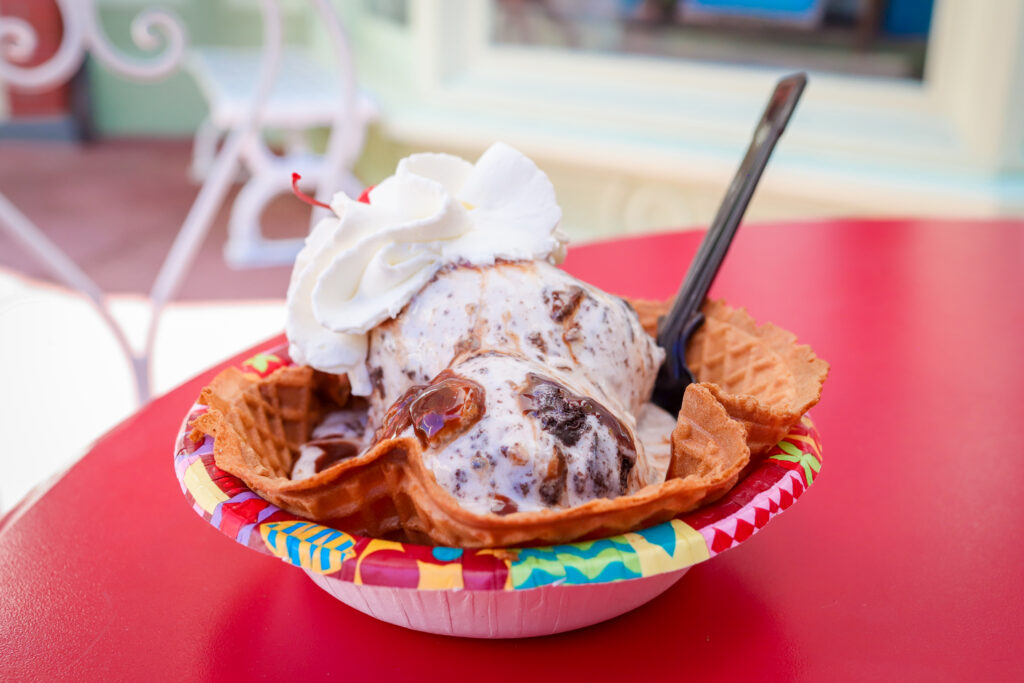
[[532, 309], [363, 265], [441, 301]]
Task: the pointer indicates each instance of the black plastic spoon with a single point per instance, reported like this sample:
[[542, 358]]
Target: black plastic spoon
[[675, 329]]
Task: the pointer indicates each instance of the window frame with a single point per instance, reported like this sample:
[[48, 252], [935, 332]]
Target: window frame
[[690, 120]]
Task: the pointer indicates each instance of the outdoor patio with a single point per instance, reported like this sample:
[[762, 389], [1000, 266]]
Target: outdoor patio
[[115, 207]]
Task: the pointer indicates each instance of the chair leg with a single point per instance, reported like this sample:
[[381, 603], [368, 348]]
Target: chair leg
[[204, 149], [246, 246]]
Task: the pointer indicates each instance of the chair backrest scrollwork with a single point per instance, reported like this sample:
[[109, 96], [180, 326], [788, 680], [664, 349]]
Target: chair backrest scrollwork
[[152, 30]]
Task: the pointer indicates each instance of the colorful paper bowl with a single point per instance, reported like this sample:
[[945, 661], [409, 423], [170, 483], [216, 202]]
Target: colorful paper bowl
[[506, 593]]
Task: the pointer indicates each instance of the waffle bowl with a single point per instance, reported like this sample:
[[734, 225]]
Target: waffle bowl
[[260, 422], [493, 591], [763, 378]]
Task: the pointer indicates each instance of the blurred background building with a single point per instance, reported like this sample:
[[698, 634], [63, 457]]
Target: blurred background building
[[639, 111]]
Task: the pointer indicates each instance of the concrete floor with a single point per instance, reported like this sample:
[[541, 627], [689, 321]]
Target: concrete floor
[[115, 207]]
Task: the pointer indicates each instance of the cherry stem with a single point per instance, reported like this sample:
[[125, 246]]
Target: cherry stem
[[312, 201]]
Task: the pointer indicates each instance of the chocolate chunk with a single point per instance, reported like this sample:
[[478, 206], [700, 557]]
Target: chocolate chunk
[[377, 379], [564, 303], [554, 408], [503, 505], [579, 483], [600, 484], [460, 479], [625, 467], [597, 473], [553, 489], [565, 415], [537, 339]]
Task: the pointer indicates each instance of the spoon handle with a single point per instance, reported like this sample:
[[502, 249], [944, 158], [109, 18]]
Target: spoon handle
[[685, 317]]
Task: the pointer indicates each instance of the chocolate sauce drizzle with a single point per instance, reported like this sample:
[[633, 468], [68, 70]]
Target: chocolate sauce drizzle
[[335, 450]]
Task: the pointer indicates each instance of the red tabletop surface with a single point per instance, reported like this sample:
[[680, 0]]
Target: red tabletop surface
[[903, 560]]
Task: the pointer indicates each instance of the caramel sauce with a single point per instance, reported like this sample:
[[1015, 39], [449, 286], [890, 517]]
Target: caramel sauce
[[503, 505], [438, 411]]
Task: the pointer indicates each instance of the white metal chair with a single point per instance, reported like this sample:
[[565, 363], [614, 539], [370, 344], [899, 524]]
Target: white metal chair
[[151, 30], [305, 97]]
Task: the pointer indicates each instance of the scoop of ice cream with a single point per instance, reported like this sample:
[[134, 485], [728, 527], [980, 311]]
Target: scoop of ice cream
[[533, 310], [441, 301], [561, 370], [365, 263], [505, 434]]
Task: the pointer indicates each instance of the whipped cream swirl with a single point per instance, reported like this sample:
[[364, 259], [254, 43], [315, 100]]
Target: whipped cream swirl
[[363, 265]]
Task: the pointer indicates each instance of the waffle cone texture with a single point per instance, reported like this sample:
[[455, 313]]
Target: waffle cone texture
[[259, 424], [759, 373]]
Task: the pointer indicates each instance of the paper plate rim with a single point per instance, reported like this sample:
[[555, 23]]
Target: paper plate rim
[[225, 502]]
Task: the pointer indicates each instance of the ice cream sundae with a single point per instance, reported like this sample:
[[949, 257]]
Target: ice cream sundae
[[449, 383]]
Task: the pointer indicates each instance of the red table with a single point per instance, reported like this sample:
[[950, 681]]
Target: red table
[[903, 561]]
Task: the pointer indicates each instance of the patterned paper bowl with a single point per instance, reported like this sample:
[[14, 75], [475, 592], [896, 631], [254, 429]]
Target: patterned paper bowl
[[494, 593]]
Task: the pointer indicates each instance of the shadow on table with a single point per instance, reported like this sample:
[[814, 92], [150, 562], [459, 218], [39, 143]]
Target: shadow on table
[[686, 626]]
